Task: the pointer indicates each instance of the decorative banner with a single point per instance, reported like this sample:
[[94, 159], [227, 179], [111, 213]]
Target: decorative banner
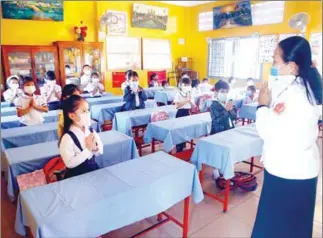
[[267, 46], [117, 23], [117, 79]]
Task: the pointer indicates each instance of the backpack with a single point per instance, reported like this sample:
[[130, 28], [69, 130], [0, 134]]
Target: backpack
[[244, 181], [55, 169]]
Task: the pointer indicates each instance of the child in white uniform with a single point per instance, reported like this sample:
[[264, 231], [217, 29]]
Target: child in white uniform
[[85, 76], [51, 91], [205, 87], [79, 144], [95, 88], [13, 91], [30, 107]]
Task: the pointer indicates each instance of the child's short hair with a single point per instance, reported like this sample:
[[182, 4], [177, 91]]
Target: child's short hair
[[153, 76], [132, 74], [185, 80], [95, 74], [195, 83], [205, 80], [252, 88], [164, 83], [27, 79], [230, 80], [50, 75], [221, 85]]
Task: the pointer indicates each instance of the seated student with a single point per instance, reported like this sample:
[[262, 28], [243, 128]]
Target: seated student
[[153, 81], [165, 84], [126, 82], [250, 95], [85, 77], [95, 88], [250, 82], [232, 81], [205, 87], [13, 91], [68, 90], [183, 103], [79, 144], [196, 92], [134, 95], [30, 107], [51, 91]]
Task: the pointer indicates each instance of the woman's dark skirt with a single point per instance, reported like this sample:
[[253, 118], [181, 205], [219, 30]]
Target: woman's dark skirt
[[286, 208]]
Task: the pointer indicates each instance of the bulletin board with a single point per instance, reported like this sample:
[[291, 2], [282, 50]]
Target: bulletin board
[[156, 54], [117, 79], [123, 53], [267, 46]]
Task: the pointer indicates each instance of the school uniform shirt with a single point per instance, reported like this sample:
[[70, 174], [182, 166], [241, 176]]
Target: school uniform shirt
[[91, 86], [205, 87], [46, 91], [85, 80], [11, 95], [290, 149], [180, 98], [196, 92], [71, 154], [34, 117]]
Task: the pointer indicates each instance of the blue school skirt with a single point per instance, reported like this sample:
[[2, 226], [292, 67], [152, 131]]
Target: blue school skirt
[[87, 166], [286, 208]]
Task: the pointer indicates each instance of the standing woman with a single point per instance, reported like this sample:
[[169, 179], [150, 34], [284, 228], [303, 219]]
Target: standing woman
[[287, 118]]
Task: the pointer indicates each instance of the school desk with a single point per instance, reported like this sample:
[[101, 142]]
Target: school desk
[[104, 100], [13, 121], [105, 112], [248, 111], [29, 135], [124, 121], [8, 111], [150, 92], [165, 96], [88, 95], [117, 148], [223, 150], [5, 104], [178, 130], [96, 203]]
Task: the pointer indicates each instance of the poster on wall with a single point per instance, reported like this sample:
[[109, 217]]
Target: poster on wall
[[316, 47], [117, 23], [232, 15], [41, 10], [267, 46]]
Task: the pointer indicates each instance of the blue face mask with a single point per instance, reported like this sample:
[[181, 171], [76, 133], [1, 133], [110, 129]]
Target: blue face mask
[[274, 71]]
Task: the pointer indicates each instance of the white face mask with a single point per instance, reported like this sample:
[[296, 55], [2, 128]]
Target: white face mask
[[30, 89], [222, 97], [95, 80], [87, 72], [85, 120], [186, 89], [14, 86], [134, 85]]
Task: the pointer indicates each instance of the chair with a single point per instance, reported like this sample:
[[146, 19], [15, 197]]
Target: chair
[[154, 117], [107, 126], [31, 180], [184, 155]]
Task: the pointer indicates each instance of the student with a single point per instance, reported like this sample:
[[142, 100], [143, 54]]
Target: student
[[30, 107], [134, 95], [13, 91], [126, 82], [95, 88], [154, 81], [165, 84], [232, 81], [51, 91], [79, 144], [183, 103], [196, 92], [250, 95], [205, 87], [223, 113], [68, 90], [85, 76], [250, 82]]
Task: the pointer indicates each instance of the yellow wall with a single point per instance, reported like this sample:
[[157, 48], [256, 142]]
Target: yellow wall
[[197, 44]]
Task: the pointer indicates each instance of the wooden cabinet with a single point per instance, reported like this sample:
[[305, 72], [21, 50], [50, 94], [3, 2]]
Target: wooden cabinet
[[31, 61], [74, 54]]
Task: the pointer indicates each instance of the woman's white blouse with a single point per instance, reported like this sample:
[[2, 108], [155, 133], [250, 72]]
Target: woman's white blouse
[[71, 154], [290, 150]]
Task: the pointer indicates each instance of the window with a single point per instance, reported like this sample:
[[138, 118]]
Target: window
[[237, 57], [205, 21], [156, 54]]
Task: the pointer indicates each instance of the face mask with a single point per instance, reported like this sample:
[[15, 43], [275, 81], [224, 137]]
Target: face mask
[[85, 120], [274, 71], [87, 72], [186, 89], [95, 80], [14, 86], [30, 89], [67, 71], [222, 97], [134, 85]]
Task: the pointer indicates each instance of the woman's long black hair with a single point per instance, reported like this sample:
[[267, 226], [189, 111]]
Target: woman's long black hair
[[297, 49]]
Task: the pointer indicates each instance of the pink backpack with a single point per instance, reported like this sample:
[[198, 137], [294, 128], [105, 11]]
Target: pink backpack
[[159, 116]]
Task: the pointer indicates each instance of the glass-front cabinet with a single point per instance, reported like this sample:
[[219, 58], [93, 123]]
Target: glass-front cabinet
[[32, 61]]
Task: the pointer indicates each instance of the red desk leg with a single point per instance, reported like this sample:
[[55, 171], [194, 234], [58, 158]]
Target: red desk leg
[[226, 195], [186, 215], [251, 164], [160, 216], [153, 145]]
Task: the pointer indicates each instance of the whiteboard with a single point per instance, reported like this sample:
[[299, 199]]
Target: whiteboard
[[123, 52], [267, 46], [156, 54]]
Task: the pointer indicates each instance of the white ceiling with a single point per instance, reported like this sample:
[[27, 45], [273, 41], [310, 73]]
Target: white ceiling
[[186, 3]]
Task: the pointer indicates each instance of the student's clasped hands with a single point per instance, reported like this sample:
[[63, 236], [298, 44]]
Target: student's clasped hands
[[90, 142]]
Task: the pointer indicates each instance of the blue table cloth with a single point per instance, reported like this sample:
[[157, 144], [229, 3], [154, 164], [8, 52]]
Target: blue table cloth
[[104, 100], [150, 92], [96, 203], [8, 111], [165, 96], [124, 121], [29, 135], [88, 95], [179, 130], [5, 104], [13, 121], [248, 111], [117, 148], [225, 149], [105, 112]]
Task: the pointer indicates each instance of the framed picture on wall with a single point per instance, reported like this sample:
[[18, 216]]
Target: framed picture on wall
[[46, 10], [117, 23]]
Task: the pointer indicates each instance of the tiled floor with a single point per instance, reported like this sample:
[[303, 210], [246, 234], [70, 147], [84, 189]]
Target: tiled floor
[[206, 218]]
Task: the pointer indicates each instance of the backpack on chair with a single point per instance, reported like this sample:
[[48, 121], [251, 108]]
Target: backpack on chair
[[55, 170]]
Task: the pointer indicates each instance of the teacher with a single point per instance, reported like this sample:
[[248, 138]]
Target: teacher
[[287, 118]]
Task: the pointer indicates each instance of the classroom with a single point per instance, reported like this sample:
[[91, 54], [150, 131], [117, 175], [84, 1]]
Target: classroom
[[128, 119]]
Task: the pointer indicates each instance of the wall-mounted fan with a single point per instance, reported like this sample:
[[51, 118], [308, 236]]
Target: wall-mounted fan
[[299, 21]]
